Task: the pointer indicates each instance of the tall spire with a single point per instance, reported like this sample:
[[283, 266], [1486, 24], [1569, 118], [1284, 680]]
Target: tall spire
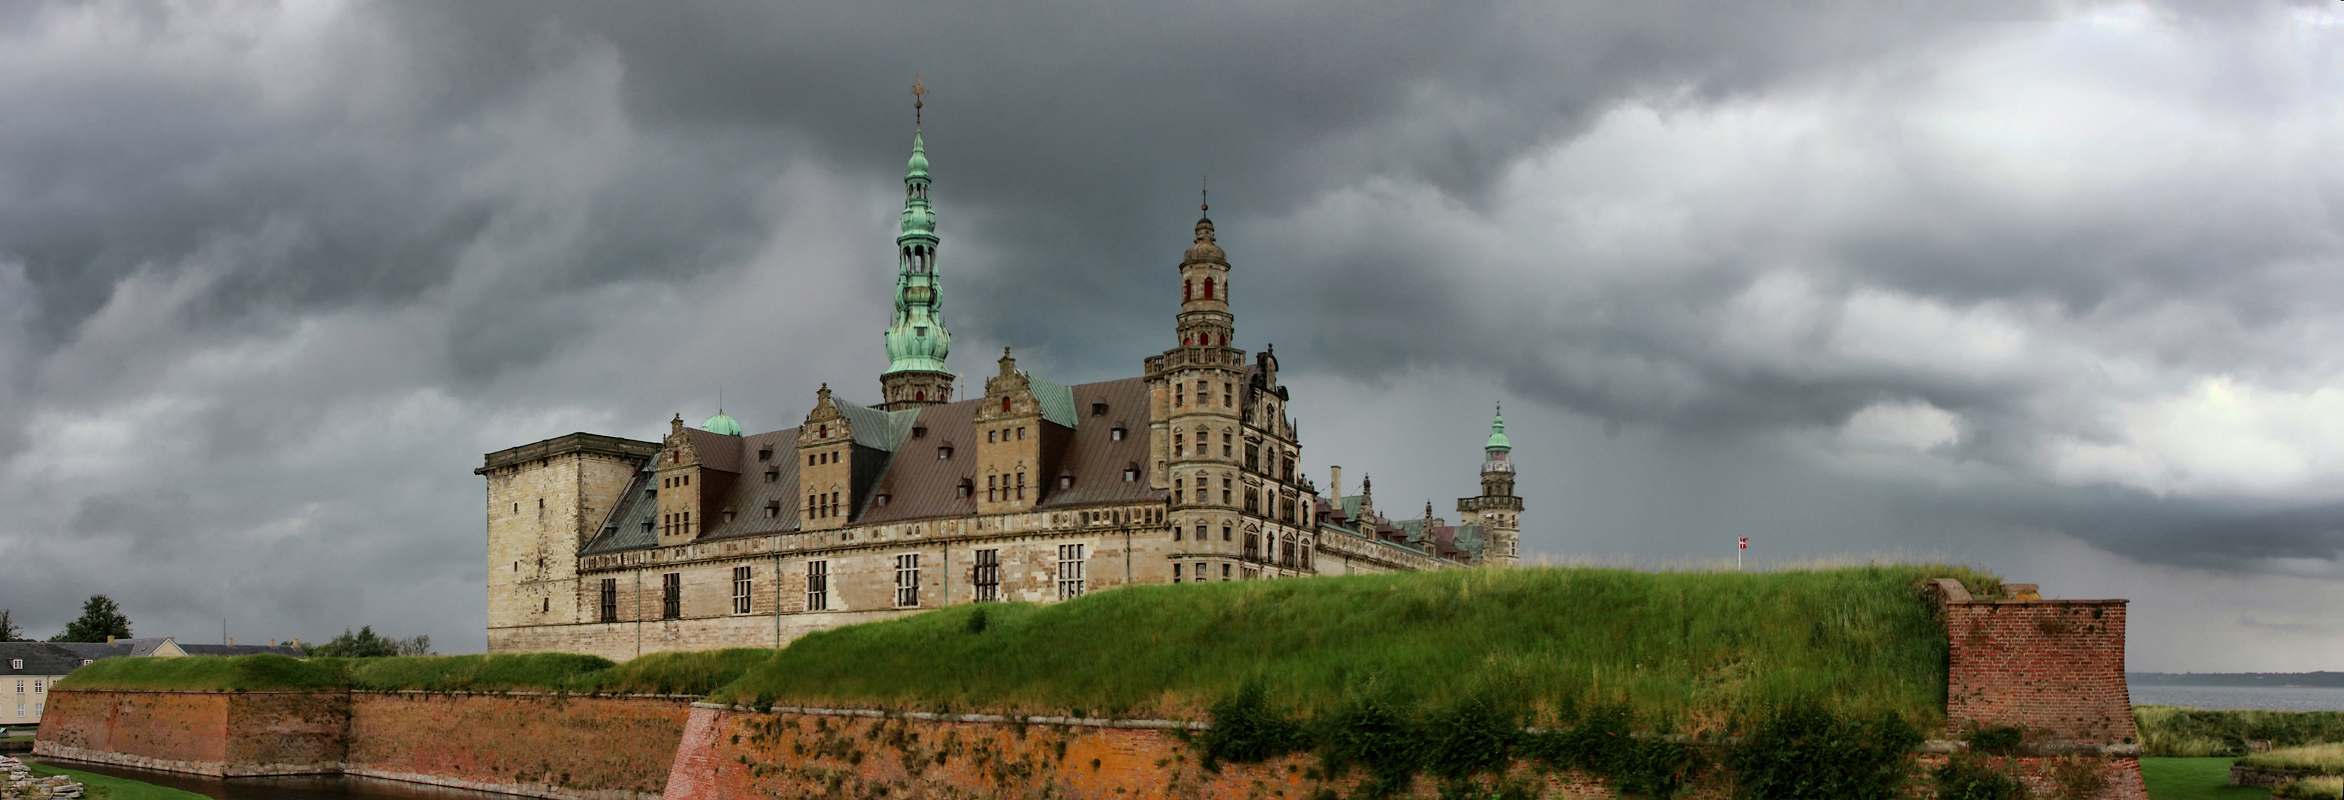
[[917, 341]]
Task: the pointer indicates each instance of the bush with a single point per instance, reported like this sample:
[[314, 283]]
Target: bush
[[1808, 751], [2322, 788], [1247, 730], [2187, 732], [1968, 777], [1605, 743]]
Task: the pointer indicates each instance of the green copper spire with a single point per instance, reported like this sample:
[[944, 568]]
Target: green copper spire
[[917, 341], [1497, 434]]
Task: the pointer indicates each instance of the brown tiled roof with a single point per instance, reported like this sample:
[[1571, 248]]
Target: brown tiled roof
[[1094, 458], [751, 493], [717, 451], [918, 484]]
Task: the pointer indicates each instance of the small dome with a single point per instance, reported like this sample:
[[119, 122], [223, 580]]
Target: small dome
[[1497, 434], [919, 163], [722, 424], [1204, 250]]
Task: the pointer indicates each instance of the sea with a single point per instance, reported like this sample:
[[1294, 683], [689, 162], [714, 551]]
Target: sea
[[2262, 698]]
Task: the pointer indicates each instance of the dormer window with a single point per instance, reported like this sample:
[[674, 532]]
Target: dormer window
[[1130, 473], [1065, 481], [881, 500], [728, 515], [919, 431], [647, 525], [944, 453], [765, 454], [967, 487], [772, 509], [1117, 434], [773, 475], [1099, 408]]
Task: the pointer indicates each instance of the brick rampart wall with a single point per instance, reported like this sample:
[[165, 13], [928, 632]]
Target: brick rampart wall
[[2053, 667], [572, 748], [209, 733], [747, 755]]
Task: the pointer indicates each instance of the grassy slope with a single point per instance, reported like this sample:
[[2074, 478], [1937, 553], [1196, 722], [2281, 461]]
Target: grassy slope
[[1693, 651], [103, 787], [2195, 779], [665, 673]]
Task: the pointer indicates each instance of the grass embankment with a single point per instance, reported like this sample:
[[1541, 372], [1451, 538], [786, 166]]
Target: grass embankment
[[2194, 779], [1690, 651], [107, 787], [2189, 732], [662, 673]]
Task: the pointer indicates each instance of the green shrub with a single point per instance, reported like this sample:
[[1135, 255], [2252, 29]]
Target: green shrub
[[2321, 788], [1968, 777], [1247, 730], [1372, 734], [1605, 743], [1808, 751], [2001, 740]]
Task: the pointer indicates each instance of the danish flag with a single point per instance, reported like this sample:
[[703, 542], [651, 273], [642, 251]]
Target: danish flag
[[1745, 542]]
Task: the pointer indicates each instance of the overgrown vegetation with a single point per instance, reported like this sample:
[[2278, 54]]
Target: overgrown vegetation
[[1705, 652], [1807, 751], [368, 644], [108, 787], [2325, 788], [663, 673], [2323, 758], [2189, 732]]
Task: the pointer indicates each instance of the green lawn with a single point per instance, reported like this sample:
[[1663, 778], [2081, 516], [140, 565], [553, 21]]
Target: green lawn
[[2195, 779], [102, 787]]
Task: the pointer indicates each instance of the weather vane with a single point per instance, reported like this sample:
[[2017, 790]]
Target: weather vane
[[918, 91], [1206, 203]]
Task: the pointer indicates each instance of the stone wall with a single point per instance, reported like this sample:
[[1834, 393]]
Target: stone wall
[[552, 746]]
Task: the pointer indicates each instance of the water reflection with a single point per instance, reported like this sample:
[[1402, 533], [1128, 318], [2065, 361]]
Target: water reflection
[[288, 787]]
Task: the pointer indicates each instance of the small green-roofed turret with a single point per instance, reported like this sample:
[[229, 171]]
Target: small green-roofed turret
[[1497, 433]]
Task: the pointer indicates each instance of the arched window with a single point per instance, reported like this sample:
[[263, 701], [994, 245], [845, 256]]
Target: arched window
[[1208, 288], [1005, 405], [1185, 287], [919, 396]]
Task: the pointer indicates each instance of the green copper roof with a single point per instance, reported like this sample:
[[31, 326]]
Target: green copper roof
[[722, 424], [917, 340], [1497, 434]]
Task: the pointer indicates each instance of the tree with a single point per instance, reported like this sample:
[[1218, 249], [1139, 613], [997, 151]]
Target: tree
[[418, 645], [363, 644], [100, 618], [8, 630]]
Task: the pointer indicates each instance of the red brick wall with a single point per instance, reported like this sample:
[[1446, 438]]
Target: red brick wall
[[212, 733], [580, 748], [611, 748], [2053, 667]]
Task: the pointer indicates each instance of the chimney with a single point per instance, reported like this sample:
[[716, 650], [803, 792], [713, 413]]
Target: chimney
[[1335, 484], [109, 639]]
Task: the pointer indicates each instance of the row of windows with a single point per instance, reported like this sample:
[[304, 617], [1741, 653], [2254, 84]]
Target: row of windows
[[817, 459], [677, 524], [1002, 491], [1072, 583], [1188, 289], [1204, 392], [819, 505], [669, 482], [37, 682], [1004, 432], [36, 709]]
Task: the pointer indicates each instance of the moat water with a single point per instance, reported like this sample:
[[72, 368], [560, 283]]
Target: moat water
[[292, 787]]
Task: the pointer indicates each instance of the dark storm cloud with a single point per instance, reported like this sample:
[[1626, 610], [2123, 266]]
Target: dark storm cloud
[[272, 278]]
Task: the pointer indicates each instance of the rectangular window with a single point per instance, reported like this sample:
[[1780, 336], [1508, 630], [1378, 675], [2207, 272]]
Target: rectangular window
[[1253, 500], [988, 576], [1253, 458], [1224, 572], [671, 596], [37, 685], [907, 580], [817, 585], [742, 577], [1286, 510], [1070, 571], [610, 600], [1253, 546]]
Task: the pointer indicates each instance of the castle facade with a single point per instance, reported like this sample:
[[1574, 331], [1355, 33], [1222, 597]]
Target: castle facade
[[1033, 491]]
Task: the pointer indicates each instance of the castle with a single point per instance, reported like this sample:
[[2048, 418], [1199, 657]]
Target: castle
[[1033, 491]]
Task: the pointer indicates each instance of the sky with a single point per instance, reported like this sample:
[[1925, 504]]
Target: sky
[[2054, 289]]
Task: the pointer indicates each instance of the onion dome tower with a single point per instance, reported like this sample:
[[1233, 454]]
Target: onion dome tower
[[917, 340], [1497, 510]]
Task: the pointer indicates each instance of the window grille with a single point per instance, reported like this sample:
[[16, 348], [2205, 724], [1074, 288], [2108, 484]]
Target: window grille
[[671, 596], [742, 577], [817, 585], [610, 600], [907, 580], [988, 576], [1070, 571]]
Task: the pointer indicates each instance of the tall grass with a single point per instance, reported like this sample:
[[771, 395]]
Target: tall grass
[[2323, 758], [2322, 788], [2191, 732], [663, 673], [1690, 651]]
